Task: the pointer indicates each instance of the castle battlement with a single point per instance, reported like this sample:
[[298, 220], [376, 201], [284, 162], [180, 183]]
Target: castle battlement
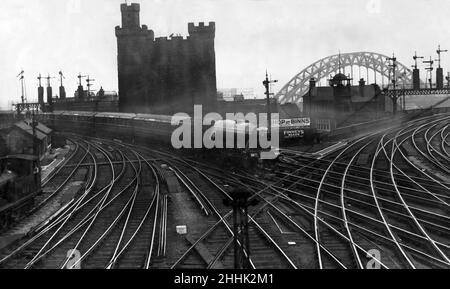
[[174, 39], [134, 7], [137, 32], [201, 28]]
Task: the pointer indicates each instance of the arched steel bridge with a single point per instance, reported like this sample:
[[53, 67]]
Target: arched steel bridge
[[378, 64]]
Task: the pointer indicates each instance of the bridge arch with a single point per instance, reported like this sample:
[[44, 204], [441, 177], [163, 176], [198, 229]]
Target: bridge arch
[[377, 63]]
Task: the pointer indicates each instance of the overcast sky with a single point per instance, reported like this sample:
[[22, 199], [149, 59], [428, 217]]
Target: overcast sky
[[284, 36]]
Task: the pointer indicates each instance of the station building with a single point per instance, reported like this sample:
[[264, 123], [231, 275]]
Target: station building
[[342, 104]]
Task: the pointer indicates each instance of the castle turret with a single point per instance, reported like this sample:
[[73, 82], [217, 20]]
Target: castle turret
[[202, 38], [208, 31], [133, 43], [130, 15]]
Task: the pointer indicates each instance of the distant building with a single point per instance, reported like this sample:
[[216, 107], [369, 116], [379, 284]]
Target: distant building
[[341, 104], [257, 106], [239, 97], [164, 75], [102, 101], [229, 94], [19, 139], [246, 106]]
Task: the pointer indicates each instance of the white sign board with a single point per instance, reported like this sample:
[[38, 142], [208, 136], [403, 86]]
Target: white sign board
[[181, 230], [293, 122]]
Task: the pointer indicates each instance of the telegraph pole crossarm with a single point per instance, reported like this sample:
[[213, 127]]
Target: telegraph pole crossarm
[[394, 83], [439, 51], [89, 84], [415, 57], [267, 82], [430, 70], [21, 77], [61, 77]]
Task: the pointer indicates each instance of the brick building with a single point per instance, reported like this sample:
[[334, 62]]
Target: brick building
[[341, 103], [164, 75]]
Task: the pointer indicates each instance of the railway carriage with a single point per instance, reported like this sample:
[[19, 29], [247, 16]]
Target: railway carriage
[[150, 128], [118, 125]]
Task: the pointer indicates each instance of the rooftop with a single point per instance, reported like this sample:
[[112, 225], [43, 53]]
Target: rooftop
[[22, 125]]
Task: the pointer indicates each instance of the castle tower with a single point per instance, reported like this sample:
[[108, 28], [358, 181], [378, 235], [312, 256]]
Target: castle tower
[[132, 45], [202, 38], [164, 75], [130, 16]]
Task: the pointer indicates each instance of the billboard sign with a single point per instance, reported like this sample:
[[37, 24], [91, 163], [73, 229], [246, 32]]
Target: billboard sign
[[304, 122], [290, 134]]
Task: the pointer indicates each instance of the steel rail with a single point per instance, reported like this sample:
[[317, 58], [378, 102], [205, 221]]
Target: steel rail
[[79, 203], [129, 205], [316, 207], [76, 205], [119, 254], [395, 147]]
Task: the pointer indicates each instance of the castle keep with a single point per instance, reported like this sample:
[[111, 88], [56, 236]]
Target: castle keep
[[164, 75]]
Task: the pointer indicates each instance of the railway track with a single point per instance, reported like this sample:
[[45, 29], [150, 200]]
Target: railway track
[[100, 226], [402, 211], [381, 201]]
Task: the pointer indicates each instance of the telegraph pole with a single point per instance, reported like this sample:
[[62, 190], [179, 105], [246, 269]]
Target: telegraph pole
[[439, 70], [80, 86], [430, 70], [439, 51], [36, 152], [416, 72], [21, 76], [394, 83], [62, 90], [88, 81], [49, 92], [240, 203], [267, 84], [415, 57]]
